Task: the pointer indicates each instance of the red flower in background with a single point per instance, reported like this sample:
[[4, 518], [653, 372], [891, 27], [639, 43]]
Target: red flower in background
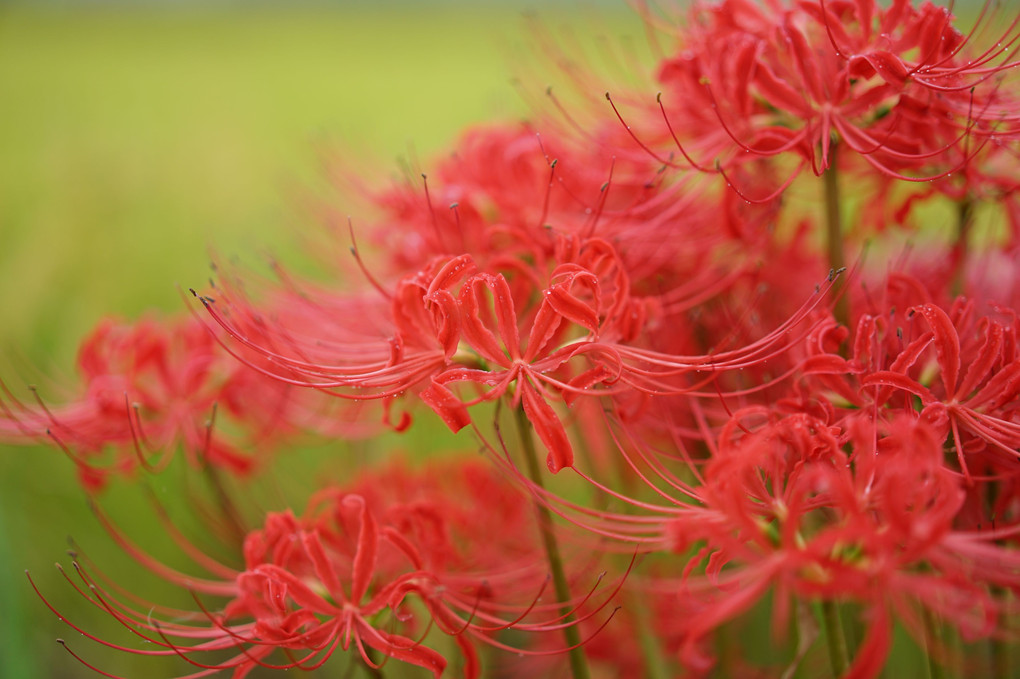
[[900, 86], [150, 388], [341, 576]]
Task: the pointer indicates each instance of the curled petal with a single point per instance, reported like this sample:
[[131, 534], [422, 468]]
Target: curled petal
[[446, 404], [549, 429]]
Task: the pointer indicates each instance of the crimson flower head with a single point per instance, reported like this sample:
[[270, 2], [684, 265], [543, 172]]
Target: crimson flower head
[[510, 306], [346, 574], [786, 510], [900, 85], [148, 388]]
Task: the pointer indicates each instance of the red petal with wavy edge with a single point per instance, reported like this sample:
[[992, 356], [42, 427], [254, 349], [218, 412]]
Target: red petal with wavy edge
[[573, 308], [451, 273], [588, 379], [324, 570], [888, 378], [886, 65], [806, 62], [778, 92], [280, 585], [548, 427], [826, 364], [547, 322], [987, 355], [446, 313], [864, 340], [947, 345], [368, 548], [407, 650], [1001, 389], [476, 333], [446, 404]]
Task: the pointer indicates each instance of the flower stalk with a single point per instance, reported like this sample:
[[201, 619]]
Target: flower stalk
[[933, 644], [571, 634], [834, 234], [964, 225], [835, 635]]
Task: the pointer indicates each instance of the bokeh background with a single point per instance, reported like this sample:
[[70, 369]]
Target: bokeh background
[[134, 137]]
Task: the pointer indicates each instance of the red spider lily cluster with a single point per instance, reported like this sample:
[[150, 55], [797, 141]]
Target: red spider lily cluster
[[743, 440]]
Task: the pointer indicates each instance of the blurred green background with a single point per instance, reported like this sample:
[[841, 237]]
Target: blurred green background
[[134, 137]]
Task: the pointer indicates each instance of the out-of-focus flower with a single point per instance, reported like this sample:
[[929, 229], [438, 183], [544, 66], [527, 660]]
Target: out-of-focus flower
[[343, 575], [149, 388], [900, 86]]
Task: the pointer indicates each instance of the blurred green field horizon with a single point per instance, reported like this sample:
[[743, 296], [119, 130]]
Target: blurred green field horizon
[[134, 139]]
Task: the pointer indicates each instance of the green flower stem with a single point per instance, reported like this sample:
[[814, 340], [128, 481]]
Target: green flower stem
[[932, 643], [839, 657], [834, 233], [999, 647], [1000, 659], [578, 660], [229, 510], [964, 222], [651, 649]]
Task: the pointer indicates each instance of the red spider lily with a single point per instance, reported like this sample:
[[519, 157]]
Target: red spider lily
[[538, 314], [450, 317], [292, 594], [899, 86], [502, 187], [978, 377], [784, 509], [152, 386], [588, 293], [977, 404], [339, 577]]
